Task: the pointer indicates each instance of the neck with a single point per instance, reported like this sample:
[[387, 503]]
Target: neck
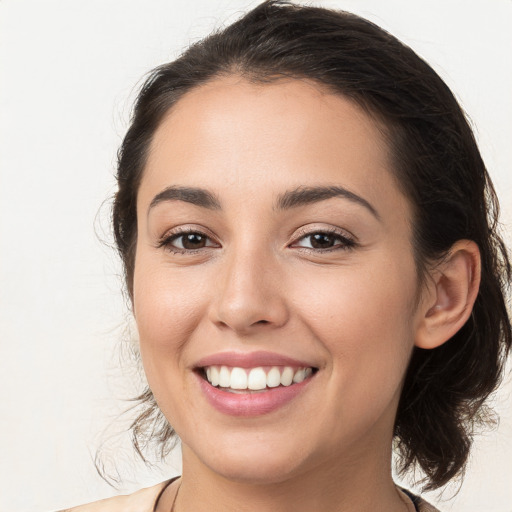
[[358, 484]]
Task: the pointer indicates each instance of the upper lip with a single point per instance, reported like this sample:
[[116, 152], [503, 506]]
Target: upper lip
[[250, 360]]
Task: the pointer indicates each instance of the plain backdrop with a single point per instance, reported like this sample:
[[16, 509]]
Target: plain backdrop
[[68, 73]]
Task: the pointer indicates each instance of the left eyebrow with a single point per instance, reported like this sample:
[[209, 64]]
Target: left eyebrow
[[307, 195]]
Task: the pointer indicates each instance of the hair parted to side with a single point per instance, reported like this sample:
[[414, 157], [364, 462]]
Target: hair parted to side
[[437, 165]]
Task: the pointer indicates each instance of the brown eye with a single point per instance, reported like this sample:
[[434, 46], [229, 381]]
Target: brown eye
[[325, 241], [322, 241], [192, 241], [188, 241]]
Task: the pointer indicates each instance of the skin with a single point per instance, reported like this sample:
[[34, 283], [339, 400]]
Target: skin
[[351, 311]]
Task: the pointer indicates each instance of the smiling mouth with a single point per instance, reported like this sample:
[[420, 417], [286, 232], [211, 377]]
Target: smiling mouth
[[235, 379]]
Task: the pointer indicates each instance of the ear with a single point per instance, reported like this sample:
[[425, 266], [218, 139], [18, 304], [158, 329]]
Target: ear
[[450, 296]]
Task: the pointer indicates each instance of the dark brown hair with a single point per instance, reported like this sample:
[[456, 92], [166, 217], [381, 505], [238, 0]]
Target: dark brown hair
[[436, 163]]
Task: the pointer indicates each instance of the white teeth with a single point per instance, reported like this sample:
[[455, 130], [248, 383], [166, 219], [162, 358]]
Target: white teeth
[[287, 376], [214, 375], [224, 377], [273, 377], [255, 379], [238, 379], [299, 376]]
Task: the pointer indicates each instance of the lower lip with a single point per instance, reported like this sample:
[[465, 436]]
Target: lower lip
[[251, 404]]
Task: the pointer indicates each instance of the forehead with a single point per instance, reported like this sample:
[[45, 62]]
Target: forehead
[[261, 138]]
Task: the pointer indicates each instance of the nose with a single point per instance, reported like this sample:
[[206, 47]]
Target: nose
[[250, 294]]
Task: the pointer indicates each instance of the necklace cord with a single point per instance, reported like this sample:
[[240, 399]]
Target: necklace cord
[[162, 492], [405, 494], [175, 497]]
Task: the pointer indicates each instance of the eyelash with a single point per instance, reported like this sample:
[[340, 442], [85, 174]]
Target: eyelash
[[345, 242], [166, 241]]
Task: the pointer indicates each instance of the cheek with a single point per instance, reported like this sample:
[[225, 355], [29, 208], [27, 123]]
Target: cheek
[[167, 305], [362, 316], [363, 320]]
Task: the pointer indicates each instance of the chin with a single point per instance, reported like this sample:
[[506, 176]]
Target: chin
[[257, 459], [257, 471]]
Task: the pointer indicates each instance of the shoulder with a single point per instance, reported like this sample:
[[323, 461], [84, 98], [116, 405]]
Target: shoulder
[[140, 501], [423, 506], [420, 505]]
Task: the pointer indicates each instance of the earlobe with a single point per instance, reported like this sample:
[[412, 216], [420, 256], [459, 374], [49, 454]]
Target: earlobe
[[451, 295]]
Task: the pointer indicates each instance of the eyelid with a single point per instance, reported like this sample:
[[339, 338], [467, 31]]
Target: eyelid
[[349, 240], [174, 233], [311, 229]]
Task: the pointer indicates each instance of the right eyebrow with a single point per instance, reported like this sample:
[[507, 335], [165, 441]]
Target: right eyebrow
[[194, 195]]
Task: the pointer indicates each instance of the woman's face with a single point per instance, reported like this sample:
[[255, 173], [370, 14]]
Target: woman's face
[[273, 241]]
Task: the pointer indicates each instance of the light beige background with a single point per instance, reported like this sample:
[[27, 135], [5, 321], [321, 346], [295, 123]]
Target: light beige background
[[67, 75]]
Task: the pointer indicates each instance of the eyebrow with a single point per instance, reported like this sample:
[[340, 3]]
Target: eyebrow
[[300, 196], [307, 195], [193, 195]]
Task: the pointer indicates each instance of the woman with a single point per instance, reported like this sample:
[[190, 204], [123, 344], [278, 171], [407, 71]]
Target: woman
[[308, 235]]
